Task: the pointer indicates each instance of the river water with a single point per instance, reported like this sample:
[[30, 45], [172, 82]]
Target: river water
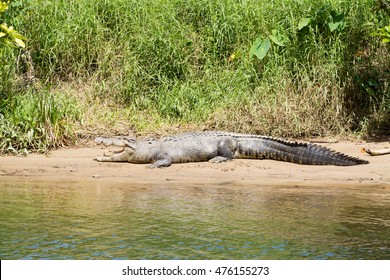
[[121, 221]]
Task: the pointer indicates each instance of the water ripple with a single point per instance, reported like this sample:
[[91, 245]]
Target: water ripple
[[125, 222]]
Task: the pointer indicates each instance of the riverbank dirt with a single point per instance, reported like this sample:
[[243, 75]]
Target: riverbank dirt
[[77, 164]]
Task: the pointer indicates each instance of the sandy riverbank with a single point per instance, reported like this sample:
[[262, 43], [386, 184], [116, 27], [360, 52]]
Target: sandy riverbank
[[77, 164]]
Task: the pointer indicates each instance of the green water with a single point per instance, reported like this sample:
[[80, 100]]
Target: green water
[[121, 221]]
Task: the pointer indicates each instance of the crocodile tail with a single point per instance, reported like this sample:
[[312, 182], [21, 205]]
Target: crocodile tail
[[311, 154]]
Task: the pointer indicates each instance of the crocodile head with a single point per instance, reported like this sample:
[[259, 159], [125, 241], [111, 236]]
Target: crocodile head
[[128, 142]]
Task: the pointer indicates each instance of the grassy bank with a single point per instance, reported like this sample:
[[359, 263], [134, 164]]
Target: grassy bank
[[158, 65]]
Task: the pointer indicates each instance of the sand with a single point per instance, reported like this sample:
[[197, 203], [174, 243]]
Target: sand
[[77, 165]]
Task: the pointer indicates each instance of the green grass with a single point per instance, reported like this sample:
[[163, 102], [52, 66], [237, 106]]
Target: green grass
[[37, 121], [164, 64]]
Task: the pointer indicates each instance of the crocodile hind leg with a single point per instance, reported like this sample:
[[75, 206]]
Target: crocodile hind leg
[[226, 150], [119, 156]]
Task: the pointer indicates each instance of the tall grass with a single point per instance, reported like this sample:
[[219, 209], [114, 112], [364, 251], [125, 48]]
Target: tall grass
[[163, 63], [36, 122]]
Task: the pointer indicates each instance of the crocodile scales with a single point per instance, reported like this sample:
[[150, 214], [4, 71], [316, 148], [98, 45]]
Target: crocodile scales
[[219, 146]]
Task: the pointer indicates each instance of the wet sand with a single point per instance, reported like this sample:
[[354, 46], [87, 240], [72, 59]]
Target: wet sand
[[77, 164]]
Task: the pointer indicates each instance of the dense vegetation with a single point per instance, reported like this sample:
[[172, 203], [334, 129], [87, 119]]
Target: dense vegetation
[[284, 68]]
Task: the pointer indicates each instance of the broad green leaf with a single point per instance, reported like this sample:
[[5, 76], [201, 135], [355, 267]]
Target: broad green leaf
[[336, 20], [384, 33], [20, 43], [304, 22], [3, 7], [13, 36], [255, 46], [4, 27], [277, 38], [260, 48], [333, 26]]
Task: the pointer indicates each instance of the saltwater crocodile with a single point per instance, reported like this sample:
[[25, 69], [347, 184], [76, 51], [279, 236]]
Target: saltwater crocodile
[[218, 146]]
